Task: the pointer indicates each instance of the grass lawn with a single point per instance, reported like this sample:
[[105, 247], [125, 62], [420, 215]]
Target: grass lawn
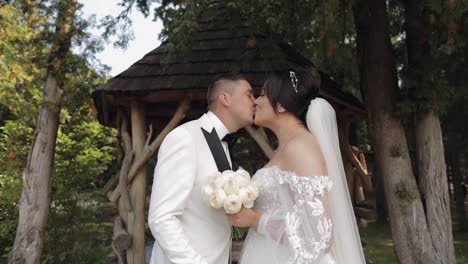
[[461, 247], [380, 247], [460, 240]]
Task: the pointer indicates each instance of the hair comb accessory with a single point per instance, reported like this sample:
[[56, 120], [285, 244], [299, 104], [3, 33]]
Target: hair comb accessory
[[294, 80]]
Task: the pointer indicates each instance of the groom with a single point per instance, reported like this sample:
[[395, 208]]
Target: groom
[[186, 228]]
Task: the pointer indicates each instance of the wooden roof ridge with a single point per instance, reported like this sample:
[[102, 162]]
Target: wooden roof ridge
[[216, 48]]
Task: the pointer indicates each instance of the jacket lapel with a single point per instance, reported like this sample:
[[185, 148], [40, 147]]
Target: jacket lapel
[[214, 143]]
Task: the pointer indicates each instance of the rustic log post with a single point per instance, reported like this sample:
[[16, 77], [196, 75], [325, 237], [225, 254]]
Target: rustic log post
[[136, 218], [121, 113], [121, 239], [110, 185], [359, 197], [362, 160], [149, 149], [123, 205], [260, 137], [359, 189]]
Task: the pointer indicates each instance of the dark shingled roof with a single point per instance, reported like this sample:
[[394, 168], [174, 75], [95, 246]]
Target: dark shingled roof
[[216, 48]]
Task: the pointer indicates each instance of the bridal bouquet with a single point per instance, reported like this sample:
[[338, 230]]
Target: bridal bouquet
[[231, 190]]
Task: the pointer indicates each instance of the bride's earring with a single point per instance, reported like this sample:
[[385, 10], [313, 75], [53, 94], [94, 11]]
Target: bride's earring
[[281, 109]]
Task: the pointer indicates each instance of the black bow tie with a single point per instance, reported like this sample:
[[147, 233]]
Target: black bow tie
[[230, 139]]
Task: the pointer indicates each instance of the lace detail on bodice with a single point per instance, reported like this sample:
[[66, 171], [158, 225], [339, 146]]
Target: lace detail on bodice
[[267, 199], [293, 212], [268, 178]]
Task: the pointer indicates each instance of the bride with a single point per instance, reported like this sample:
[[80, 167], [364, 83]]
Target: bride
[[304, 212]]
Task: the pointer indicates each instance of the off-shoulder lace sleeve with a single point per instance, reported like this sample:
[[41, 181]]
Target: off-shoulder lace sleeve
[[301, 222]]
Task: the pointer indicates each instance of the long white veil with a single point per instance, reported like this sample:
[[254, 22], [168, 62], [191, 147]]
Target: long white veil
[[346, 243]]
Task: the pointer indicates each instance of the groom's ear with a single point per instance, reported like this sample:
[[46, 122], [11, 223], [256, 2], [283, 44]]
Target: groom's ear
[[224, 98]]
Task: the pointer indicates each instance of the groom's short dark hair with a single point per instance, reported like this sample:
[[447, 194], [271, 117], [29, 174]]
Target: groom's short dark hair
[[218, 84]]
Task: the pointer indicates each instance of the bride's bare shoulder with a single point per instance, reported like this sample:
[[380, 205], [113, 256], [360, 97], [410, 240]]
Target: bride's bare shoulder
[[303, 155]]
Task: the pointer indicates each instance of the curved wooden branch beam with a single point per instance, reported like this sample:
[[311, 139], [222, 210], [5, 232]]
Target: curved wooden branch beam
[[362, 172], [110, 184], [260, 137], [149, 135], [150, 149], [127, 161]]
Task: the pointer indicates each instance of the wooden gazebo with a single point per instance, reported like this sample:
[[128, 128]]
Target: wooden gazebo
[[155, 95]]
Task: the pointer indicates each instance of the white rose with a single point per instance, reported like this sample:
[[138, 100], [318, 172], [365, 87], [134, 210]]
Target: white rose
[[247, 195], [232, 204], [213, 176], [250, 204], [254, 188], [228, 173], [243, 177], [217, 198], [231, 186], [217, 180]]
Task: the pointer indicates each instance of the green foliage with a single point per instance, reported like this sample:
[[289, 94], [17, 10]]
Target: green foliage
[[77, 233], [454, 123], [10, 190], [437, 89], [179, 21], [455, 61], [322, 30], [20, 51], [380, 250], [85, 150]]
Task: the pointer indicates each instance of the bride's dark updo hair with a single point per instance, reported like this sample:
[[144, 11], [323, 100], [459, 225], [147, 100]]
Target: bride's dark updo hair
[[293, 89]]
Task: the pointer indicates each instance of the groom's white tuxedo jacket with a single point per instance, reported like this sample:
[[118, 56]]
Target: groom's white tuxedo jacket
[[186, 228]]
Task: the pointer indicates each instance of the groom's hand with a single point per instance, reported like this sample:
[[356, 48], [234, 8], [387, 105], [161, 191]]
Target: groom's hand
[[244, 218]]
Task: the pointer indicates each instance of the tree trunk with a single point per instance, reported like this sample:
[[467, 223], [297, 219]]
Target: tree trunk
[[412, 241], [433, 174], [380, 202], [38, 175], [429, 143]]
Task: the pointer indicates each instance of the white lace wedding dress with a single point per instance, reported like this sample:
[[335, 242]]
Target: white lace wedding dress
[[306, 219], [295, 226]]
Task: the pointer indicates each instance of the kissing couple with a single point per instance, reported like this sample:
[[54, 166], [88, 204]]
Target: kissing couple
[[303, 213]]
